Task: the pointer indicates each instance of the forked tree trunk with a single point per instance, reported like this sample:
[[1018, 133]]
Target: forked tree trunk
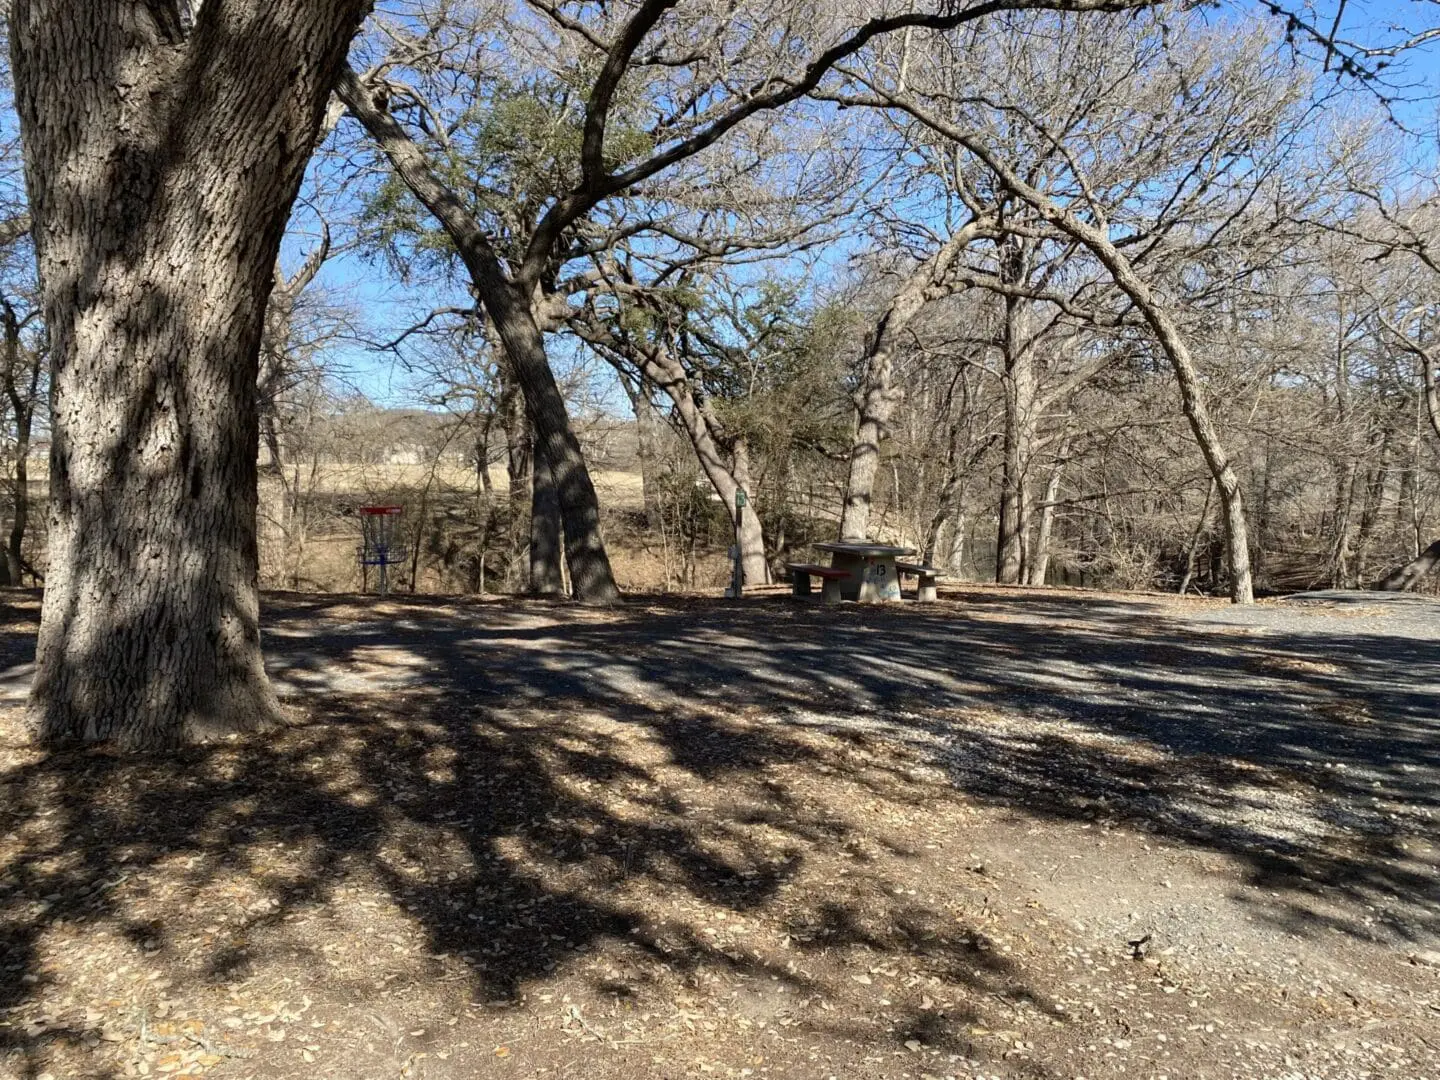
[[161, 163], [876, 398], [556, 446], [514, 321]]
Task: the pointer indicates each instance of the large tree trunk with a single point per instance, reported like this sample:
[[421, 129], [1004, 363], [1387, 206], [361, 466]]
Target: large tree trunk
[[161, 164], [514, 319], [557, 450], [876, 398]]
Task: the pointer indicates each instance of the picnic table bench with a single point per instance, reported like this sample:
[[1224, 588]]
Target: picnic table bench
[[925, 576], [801, 573], [865, 572]]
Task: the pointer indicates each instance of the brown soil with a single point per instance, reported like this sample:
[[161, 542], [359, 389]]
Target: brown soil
[[503, 869]]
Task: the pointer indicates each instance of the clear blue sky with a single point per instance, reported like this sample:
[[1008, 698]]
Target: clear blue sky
[[387, 305]]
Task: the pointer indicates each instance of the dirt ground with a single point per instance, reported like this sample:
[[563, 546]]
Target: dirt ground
[[1015, 834]]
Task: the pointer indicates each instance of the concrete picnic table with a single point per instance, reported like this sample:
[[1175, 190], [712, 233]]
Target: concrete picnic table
[[873, 577]]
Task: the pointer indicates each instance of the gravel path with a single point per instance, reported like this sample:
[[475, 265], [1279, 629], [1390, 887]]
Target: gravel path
[[1266, 730], [1254, 789], [1301, 736], [1251, 792]]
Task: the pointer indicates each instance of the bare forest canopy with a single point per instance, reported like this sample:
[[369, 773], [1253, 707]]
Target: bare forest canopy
[[1072, 291]]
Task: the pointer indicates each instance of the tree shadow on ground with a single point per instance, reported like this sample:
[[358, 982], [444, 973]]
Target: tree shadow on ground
[[536, 788], [517, 842], [1310, 751]]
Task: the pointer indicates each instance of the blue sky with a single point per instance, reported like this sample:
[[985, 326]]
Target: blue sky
[[386, 305]]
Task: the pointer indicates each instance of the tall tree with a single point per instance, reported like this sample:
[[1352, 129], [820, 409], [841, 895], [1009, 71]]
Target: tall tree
[[164, 145], [562, 487], [651, 85]]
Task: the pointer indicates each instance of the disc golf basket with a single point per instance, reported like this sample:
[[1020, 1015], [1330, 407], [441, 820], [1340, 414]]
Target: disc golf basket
[[381, 549]]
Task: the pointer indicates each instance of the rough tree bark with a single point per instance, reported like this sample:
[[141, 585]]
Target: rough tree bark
[[514, 319], [875, 399], [546, 529], [162, 156], [518, 458]]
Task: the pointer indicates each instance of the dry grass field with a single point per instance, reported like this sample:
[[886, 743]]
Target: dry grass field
[[618, 489]]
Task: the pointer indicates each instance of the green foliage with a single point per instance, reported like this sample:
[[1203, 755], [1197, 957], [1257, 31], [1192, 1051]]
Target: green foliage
[[511, 154]]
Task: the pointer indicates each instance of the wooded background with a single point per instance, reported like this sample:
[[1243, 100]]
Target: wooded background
[[1054, 297]]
